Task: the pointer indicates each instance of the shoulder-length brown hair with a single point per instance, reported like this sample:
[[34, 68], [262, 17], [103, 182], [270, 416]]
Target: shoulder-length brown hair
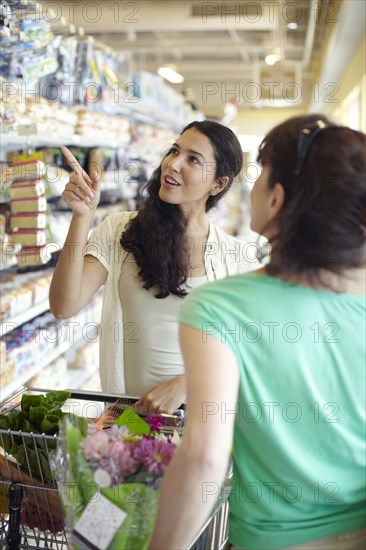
[[323, 222]]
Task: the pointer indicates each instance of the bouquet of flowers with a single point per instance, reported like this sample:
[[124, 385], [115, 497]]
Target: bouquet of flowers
[[111, 479]]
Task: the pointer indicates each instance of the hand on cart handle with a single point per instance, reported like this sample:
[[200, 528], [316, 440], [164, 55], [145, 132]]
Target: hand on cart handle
[[82, 192], [165, 398]]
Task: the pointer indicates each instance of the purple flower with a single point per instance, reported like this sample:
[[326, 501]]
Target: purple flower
[[96, 445], [155, 421], [153, 454], [119, 463]]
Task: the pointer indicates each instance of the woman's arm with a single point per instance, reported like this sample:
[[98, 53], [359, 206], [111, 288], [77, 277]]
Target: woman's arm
[[76, 278], [191, 485]]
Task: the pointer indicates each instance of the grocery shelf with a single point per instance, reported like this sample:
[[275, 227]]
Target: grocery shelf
[[23, 378], [133, 110], [20, 380], [42, 140], [14, 322], [6, 265], [76, 378], [142, 112]]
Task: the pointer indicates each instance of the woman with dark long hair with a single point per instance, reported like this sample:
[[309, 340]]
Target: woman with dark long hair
[[275, 361], [149, 261]]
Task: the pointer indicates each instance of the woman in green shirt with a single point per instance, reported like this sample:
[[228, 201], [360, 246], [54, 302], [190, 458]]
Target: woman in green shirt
[[275, 360]]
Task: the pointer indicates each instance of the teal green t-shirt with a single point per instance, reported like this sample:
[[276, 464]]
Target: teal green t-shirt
[[299, 437]]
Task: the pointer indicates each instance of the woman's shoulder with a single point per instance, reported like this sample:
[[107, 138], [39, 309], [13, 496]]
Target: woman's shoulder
[[121, 217], [118, 220]]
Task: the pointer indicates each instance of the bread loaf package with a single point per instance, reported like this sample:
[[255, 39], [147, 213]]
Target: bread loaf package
[[31, 204], [28, 220], [29, 237], [28, 170], [33, 256], [27, 189]]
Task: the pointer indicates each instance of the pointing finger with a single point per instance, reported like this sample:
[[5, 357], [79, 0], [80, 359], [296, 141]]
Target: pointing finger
[[73, 163]]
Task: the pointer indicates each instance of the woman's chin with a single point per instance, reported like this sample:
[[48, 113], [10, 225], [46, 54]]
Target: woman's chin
[[165, 197]]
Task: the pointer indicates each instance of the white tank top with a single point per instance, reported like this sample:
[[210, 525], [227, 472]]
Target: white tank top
[[151, 349]]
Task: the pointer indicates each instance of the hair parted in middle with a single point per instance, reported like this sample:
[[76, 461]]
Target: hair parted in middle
[[157, 235]]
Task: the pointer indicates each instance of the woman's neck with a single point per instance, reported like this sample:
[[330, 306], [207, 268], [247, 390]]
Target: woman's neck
[[350, 281], [198, 228]]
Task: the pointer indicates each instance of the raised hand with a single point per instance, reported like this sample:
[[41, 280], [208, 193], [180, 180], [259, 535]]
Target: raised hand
[[82, 192]]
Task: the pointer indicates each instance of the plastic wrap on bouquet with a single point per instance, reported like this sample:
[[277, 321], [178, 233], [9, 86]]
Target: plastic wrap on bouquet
[[125, 465]]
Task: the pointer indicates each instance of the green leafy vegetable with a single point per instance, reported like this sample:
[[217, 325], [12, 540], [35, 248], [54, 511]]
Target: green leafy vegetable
[[39, 414]]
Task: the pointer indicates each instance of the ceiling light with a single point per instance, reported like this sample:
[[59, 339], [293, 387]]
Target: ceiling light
[[171, 75], [292, 26], [272, 58], [131, 36]]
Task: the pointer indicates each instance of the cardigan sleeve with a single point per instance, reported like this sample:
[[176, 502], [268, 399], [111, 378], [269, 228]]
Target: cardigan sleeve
[[103, 242]]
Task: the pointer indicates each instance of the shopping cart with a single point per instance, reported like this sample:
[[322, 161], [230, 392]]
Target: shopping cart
[[31, 513]]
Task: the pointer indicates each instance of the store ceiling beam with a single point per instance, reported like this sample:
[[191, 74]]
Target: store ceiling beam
[[146, 16], [197, 48], [212, 65]]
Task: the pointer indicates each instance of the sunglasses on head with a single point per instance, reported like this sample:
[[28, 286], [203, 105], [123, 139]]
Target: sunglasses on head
[[306, 140]]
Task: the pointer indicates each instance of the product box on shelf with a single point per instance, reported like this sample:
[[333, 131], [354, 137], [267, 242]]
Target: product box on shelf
[[27, 189], [153, 90], [28, 220], [22, 292], [34, 256], [29, 237], [31, 204], [26, 170], [21, 351], [15, 299], [53, 376]]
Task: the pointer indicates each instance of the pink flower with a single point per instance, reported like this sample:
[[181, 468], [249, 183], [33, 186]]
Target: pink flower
[[153, 454], [119, 463], [96, 445], [155, 421]]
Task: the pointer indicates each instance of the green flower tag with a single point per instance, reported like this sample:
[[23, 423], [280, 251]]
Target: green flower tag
[[133, 422]]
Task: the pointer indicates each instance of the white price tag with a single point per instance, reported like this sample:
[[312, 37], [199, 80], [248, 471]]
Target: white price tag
[[100, 521]]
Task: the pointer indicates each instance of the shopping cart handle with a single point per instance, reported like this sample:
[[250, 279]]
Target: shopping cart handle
[[105, 397]]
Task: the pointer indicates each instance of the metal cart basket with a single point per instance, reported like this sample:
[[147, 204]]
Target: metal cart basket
[[31, 513]]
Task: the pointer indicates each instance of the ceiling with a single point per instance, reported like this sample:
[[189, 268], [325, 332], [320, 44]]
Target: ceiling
[[219, 47]]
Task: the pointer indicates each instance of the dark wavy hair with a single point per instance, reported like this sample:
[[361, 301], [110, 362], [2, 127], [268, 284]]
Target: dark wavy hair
[[157, 235], [323, 222]]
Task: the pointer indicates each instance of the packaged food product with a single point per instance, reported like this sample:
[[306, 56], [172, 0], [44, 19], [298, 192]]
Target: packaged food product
[[32, 204], [34, 237], [28, 220], [33, 255], [33, 169], [27, 189]]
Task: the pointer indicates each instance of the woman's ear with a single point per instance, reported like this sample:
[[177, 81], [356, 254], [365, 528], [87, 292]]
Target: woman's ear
[[222, 183], [276, 199]]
